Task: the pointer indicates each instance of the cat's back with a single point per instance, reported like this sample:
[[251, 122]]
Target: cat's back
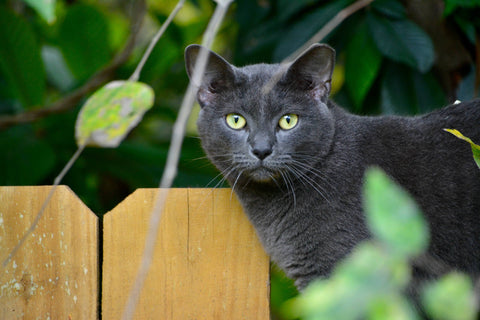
[[439, 171]]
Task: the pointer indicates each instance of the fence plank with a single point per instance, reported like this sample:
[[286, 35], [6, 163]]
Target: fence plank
[[55, 273], [208, 263]]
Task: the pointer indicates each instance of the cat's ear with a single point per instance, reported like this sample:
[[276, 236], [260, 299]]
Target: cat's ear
[[312, 70], [218, 75]]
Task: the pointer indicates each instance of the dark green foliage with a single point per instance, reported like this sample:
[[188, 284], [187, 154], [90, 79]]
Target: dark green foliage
[[20, 61]]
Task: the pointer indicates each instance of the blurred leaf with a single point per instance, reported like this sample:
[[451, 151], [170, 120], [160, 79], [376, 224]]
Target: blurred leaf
[[111, 112], [391, 307], [475, 147], [45, 8], [301, 31], [362, 64], [356, 287], [84, 40], [451, 5], [396, 91], [402, 40], [450, 298], [390, 8], [393, 216], [25, 159], [20, 59], [288, 8], [56, 68]]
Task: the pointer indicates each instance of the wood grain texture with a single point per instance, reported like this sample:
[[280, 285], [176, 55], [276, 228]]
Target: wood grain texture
[[208, 262], [55, 273]]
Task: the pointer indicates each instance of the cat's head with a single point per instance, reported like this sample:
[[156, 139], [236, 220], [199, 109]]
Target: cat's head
[[256, 129]]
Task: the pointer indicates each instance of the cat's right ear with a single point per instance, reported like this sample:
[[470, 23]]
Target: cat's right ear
[[312, 71], [218, 75]]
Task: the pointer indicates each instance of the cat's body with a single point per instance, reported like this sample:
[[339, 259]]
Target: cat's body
[[300, 181]]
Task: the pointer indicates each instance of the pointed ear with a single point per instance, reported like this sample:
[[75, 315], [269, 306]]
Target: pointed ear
[[312, 71], [218, 75]]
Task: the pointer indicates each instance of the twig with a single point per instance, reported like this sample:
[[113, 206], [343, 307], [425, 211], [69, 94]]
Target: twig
[[44, 205], [136, 74], [170, 170], [95, 82], [317, 37]]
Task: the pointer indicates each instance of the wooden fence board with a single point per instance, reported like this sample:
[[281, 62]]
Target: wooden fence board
[[208, 263], [55, 273]]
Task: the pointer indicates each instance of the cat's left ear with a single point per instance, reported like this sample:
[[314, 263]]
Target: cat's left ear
[[312, 70]]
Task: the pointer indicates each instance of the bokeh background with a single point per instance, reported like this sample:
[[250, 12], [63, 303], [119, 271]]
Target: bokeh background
[[393, 57]]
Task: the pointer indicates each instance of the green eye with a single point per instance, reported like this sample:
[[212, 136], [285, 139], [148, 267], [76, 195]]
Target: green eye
[[288, 121], [235, 121]]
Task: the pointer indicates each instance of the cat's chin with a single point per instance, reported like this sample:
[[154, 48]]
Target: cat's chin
[[262, 175]]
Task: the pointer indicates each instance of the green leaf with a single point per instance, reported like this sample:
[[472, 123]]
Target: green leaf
[[291, 8], [84, 40], [20, 60], [362, 64], [45, 8], [451, 5], [475, 147], [390, 8], [396, 92], [402, 41], [450, 298], [111, 112], [392, 215], [358, 284], [306, 27]]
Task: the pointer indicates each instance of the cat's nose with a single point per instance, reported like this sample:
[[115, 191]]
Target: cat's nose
[[262, 153]]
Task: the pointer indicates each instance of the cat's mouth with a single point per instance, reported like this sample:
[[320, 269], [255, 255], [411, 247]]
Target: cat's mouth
[[261, 173]]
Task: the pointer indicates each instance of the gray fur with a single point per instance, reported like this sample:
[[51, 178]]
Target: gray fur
[[305, 198]]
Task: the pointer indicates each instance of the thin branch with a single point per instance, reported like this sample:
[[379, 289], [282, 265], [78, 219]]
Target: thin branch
[[322, 33], [158, 35], [96, 81], [172, 162]]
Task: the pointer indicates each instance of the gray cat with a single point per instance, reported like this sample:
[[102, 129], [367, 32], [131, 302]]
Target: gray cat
[[297, 161]]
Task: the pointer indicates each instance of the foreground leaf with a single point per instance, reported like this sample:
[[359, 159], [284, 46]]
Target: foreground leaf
[[393, 216], [111, 112], [475, 147], [450, 298]]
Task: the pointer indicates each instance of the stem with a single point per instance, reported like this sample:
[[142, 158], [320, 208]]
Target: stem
[[172, 162], [136, 74]]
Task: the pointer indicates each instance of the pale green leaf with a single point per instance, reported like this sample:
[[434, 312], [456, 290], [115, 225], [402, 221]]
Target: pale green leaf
[[450, 298], [45, 8], [475, 147], [393, 216], [111, 112]]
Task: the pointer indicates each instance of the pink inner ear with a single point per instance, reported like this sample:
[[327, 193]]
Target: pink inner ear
[[205, 97], [321, 91]]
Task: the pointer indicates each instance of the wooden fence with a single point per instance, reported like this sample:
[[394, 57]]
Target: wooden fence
[[208, 263]]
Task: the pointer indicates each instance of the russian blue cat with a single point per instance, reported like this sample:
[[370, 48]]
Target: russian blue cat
[[297, 161]]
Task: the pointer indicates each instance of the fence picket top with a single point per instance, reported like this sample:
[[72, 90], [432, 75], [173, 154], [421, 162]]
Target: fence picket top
[[208, 262], [54, 274]]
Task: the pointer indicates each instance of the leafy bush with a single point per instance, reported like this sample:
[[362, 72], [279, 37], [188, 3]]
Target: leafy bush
[[370, 283]]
